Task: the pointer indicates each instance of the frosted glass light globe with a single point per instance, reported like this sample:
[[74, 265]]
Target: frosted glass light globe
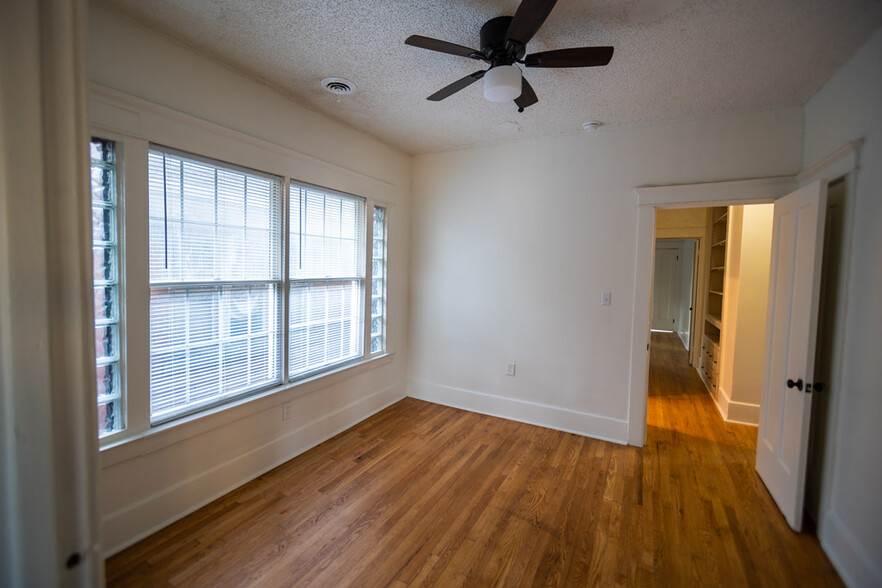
[[502, 83]]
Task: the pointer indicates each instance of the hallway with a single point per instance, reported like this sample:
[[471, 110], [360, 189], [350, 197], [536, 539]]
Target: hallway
[[716, 512]]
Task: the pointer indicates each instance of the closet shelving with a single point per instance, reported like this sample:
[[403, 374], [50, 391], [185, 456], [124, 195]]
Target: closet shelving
[[713, 319]]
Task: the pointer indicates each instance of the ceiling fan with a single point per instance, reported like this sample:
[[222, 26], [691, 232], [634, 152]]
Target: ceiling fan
[[503, 43]]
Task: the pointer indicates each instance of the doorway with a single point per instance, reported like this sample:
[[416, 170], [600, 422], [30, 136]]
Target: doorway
[[824, 414], [674, 287]]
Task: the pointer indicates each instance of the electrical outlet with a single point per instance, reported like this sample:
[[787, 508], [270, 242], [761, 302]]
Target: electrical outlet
[[510, 367], [286, 411]]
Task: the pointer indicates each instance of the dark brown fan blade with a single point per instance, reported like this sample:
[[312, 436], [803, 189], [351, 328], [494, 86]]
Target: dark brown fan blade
[[527, 20], [527, 97], [441, 46], [575, 57], [456, 86]]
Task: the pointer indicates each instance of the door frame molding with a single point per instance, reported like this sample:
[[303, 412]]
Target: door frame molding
[[648, 198]]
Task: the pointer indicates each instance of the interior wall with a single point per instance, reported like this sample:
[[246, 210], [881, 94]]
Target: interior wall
[[850, 529], [156, 478], [748, 259], [753, 296], [517, 243]]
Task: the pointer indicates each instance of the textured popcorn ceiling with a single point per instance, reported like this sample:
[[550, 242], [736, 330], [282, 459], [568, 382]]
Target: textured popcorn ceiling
[[674, 59]]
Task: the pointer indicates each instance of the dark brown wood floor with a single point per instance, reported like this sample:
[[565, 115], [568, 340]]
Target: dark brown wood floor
[[422, 494]]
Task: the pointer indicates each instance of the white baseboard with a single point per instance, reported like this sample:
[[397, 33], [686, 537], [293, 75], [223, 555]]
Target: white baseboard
[[849, 559], [740, 413], [534, 413], [136, 521], [744, 413]]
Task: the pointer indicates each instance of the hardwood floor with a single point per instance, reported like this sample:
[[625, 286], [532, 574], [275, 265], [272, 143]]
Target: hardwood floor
[[422, 494]]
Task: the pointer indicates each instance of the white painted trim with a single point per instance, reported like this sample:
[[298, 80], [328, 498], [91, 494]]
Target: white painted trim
[[847, 554], [641, 321], [713, 194], [180, 430], [744, 413], [686, 195], [163, 508], [739, 413], [533, 413], [122, 113], [839, 163], [48, 476]]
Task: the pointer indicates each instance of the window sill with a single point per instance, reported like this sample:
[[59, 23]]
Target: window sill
[[118, 450]]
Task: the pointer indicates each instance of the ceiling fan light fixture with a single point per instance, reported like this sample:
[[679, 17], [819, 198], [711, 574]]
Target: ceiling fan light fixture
[[502, 83]]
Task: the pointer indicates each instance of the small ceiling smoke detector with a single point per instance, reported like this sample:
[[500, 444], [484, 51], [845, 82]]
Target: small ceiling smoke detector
[[590, 126], [338, 86]]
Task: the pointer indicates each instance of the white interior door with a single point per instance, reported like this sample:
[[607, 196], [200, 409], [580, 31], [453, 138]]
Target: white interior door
[[794, 287], [666, 287]]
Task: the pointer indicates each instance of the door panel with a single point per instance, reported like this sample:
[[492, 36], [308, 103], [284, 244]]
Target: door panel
[[665, 291], [794, 286]]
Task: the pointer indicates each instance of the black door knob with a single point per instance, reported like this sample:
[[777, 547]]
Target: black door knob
[[797, 384]]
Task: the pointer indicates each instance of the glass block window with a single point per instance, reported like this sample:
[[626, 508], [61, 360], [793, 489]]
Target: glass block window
[[106, 286], [327, 279], [378, 282], [215, 243]]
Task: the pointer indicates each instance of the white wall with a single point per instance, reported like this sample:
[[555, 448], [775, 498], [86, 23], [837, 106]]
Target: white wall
[[161, 475], [517, 242], [845, 109], [753, 295], [748, 257]]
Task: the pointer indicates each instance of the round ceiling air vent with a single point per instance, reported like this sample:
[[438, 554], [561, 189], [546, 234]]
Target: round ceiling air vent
[[338, 86]]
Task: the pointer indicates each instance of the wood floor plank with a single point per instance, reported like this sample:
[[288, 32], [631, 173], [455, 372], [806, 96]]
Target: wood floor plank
[[426, 495]]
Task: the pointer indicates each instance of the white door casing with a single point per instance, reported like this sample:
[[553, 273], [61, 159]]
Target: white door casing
[[794, 288]]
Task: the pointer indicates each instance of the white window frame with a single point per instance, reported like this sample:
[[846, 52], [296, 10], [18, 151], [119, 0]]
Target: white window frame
[[160, 288], [133, 124], [290, 281]]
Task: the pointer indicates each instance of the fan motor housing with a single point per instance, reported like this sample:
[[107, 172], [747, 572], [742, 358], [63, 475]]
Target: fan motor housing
[[493, 45]]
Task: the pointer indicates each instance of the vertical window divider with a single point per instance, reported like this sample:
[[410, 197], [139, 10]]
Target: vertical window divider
[[368, 274], [165, 209], [286, 274]]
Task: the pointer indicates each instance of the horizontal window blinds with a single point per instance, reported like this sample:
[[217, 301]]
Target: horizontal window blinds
[[215, 282], [327, 254]]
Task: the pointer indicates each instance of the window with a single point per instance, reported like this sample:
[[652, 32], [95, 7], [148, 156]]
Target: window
[[378, 282], [241, 282], [327, 276], [215, 282], [105, 283]]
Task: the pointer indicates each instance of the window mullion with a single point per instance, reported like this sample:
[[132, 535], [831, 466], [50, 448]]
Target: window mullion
[[285, 286], [368, 278]]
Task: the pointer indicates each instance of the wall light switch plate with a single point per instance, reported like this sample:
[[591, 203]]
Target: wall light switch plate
[[605, 298], [510, 368]]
